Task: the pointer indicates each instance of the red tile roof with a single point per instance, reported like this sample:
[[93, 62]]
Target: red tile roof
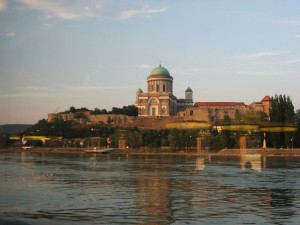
[[266, 98], [218, 104]]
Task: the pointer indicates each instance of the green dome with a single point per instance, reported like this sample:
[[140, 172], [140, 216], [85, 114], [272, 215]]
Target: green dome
[[188, 90], [160, 71], [139, 91]]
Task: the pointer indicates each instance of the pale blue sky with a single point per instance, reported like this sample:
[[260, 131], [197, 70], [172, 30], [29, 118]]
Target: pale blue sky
[[97, 53]]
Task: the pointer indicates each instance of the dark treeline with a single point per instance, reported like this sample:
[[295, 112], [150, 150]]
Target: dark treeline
[[282, 114], [130, 110]]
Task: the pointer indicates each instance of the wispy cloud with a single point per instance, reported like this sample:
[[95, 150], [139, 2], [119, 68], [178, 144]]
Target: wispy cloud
[[63, 9], [291, 22], [144, 11], [87, 80], [94, 88], [48, 24], [298, 36], [291, 61], [2, 5], [263, 54], [10, 34], [264, 73], [144, 66]]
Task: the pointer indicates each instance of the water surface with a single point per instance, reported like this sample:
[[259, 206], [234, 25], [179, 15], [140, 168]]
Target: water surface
[[78, 188]]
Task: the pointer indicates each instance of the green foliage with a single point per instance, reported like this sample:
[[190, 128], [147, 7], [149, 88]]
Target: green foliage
[[4, 140], [134, 139], [296, 137], [182, 139], [72, 109], [129, 110], [253, 117], [281, 114]]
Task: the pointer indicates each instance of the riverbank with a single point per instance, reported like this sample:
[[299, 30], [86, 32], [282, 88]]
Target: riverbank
[[223, 152]]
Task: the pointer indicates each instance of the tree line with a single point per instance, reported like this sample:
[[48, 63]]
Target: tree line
[[130, 110]]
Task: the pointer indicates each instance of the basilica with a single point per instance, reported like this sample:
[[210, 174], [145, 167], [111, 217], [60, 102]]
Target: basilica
[[159, 99]]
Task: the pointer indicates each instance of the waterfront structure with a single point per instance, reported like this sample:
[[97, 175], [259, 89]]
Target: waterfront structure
[[159, 99]]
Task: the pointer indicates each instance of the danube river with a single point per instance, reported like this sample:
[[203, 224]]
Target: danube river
[[48, 188]]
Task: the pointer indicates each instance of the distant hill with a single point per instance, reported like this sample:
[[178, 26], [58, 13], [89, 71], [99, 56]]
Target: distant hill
[[14, 128]]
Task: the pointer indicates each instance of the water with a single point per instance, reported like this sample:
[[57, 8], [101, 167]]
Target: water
[[54, 189]]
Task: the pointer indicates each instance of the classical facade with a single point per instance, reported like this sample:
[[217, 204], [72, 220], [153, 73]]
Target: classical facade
[[159, 99]]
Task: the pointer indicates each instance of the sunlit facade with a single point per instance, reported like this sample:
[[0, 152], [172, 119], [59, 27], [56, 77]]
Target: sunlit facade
[[159, 99]]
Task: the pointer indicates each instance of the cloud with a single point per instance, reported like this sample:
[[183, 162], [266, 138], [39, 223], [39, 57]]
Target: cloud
[[93, 88], [265, 73], [144, 66], [264, 54], [291, 22], [10, 34], [87, 80], [291, 61], [2, 5], [298, 36], [144, 11], [64, 10]]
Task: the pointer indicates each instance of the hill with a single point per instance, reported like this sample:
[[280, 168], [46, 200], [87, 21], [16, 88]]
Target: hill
[[13, 128]]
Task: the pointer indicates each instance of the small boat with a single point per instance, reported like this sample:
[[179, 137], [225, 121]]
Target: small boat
[[103, 150]]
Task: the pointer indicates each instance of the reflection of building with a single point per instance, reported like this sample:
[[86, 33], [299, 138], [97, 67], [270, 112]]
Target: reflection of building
[[153, 200], [251, 161], [159, 99]]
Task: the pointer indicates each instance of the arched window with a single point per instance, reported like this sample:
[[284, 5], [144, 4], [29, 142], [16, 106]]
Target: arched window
[[191, 112]]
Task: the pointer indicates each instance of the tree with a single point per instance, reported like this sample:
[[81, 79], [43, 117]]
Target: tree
[[134, 139], [4, 140], [97, 111], [281, 114], [72, 109], [296, 138]]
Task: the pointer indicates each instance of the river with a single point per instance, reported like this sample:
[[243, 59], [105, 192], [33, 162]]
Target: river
[[52, 188]]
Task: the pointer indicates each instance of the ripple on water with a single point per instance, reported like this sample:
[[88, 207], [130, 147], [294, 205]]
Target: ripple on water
[[118, 189]]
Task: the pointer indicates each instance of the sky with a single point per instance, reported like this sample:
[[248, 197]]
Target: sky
[[55, 54]]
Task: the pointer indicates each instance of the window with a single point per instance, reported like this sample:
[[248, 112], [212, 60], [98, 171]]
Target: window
[[153, 112], [164, 88], [157, 88]]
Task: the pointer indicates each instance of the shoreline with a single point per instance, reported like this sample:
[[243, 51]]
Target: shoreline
[[224, 152]]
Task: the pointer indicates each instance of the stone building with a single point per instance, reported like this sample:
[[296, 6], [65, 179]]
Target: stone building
[[159, 99], [215, 111], [85, 117]]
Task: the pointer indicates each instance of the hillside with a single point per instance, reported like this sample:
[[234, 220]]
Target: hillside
[[14, 128]]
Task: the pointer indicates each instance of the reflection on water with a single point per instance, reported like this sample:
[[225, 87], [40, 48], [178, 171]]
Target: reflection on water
[[148, 189]]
